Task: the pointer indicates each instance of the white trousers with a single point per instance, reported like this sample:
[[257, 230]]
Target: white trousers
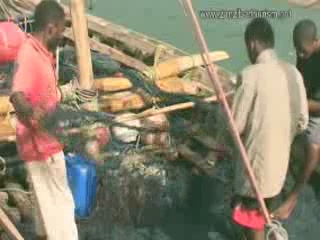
[[54, 204]]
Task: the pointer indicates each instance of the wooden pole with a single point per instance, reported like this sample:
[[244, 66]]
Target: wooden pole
[[9, 226], [57, 56], [81, 38], [172, 108]]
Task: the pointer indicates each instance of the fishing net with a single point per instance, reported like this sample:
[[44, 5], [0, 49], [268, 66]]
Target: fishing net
[[142, 189], [6, 75], [102, 65]]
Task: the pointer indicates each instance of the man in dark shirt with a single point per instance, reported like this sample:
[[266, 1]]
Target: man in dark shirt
[[308, 63]]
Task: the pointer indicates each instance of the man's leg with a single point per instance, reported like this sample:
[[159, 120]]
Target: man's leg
[[53, 198], [254, 234], [34, 176], [313, 156], [63, 199], [247, 215]]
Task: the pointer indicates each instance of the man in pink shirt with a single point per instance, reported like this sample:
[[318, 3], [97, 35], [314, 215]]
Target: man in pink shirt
[[34, 94]]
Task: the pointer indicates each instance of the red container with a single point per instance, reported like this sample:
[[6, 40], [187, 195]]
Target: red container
[[11, 39]]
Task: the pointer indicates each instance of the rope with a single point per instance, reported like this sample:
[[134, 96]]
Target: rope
[[3, 163], [72, 93], [152, 72], [276, 231]]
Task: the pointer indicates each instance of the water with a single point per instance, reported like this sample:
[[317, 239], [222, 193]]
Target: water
[[165, 20]]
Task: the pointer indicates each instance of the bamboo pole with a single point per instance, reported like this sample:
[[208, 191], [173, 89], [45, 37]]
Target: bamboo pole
[[9, 226], [81, 38], [168, 109]]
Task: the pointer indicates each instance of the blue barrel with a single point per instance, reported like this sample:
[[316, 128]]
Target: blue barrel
[[82, 178]]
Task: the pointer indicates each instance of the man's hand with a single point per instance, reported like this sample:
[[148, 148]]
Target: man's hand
[[38, 114], [314, 106], [285, 210], [23, 110]]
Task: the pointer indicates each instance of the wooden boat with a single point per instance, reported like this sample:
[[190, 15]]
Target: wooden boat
[[305, 4], [131, 49], [140, 52]]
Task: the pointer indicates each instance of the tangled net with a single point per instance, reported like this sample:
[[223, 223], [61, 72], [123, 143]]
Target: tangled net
[[140, 188]]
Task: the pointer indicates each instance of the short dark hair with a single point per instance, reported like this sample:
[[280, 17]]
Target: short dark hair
[[304, 30], [47, 11], [260, 29]]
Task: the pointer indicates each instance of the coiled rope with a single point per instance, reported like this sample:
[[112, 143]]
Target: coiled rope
[[276, 230], [72, 93]]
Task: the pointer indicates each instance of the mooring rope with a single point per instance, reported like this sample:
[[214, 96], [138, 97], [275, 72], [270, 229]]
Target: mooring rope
[[276, 231]]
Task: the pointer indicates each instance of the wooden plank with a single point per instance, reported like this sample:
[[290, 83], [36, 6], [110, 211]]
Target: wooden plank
[[122, 101], [305, 3], [112, 84], [114, 53], [9, 226], [178, 65], [5, 105], [178, 85]]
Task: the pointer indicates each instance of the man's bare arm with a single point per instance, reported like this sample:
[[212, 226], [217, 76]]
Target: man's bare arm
[[314, 106]]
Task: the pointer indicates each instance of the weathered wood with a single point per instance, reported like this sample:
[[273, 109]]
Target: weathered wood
[[12, 213], [7, 138], [122, 36], [177, 85], [172, 108], [21, 200], [9, 227], [178, 65], [305, 3], [131, 39], [6, 129], [122, 101], [5, 105], [112, 84], [81, 38], [114, 53]]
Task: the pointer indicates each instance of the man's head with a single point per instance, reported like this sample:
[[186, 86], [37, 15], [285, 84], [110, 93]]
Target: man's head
[[258, 37], [305, 38], [49, 23]]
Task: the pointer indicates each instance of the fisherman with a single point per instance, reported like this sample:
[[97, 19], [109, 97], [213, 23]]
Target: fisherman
[[308, 63], [269, 108], [35, 94]]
